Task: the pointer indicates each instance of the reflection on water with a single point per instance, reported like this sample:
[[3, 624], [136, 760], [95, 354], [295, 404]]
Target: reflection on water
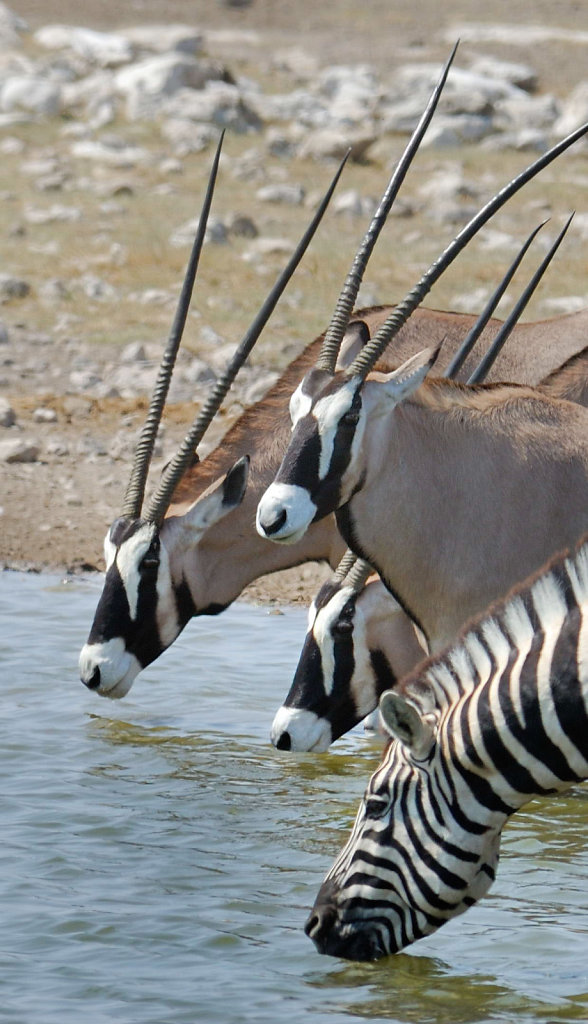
[[159, 857]]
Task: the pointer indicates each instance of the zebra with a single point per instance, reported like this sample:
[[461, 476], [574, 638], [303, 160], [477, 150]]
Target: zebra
[[501, 716]]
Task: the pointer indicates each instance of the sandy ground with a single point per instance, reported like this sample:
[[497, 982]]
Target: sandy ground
[[55, 511]]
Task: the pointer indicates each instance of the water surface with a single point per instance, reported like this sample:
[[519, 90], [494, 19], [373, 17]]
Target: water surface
[[159, 857]]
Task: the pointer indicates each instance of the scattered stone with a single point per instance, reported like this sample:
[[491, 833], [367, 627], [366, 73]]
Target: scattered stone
[[7, 413], [13, 288], [32, 94], [44, 415], [106, 49], [134, 352], [19, 450], [291, 195]]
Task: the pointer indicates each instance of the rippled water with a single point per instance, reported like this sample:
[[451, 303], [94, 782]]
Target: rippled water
[[158, 857]]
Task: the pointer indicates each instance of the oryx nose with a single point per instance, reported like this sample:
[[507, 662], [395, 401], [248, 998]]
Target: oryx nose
[[273, 525], [94, 681], [284, 741]]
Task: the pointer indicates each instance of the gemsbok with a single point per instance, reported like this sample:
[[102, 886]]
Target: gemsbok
[[498, 718], [359, 642], [194, 549], [452, 494]]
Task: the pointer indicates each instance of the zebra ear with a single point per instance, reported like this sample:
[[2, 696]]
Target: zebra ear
[[403, 720]]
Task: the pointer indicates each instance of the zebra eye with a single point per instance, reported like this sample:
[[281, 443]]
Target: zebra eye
[[376, 806]]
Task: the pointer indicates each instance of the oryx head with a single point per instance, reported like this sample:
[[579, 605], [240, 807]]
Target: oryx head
[[334, 685], [359, 643], [323, 466], [146, 600]]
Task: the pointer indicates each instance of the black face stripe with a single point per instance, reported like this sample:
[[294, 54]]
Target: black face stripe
[[113, 617], [301, 462]]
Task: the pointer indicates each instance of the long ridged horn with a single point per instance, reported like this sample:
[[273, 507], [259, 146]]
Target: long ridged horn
[[486, 363], [346, 563], [472, 336], [135, 491], [358, 574], [346, 301], [367, 358], [185, 454]]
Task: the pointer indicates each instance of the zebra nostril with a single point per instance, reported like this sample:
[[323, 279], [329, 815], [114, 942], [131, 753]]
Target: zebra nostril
[[277, 523], [284, 742], [94, 681], [319, 924]]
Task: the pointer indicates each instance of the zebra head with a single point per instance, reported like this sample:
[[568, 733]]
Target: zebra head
[[400, 876]]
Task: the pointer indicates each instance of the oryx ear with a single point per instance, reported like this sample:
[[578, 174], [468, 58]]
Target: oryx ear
[[403, 720], [221, 497], [356, 336], [404, 381]]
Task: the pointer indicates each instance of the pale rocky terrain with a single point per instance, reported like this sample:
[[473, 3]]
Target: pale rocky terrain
[[108, 119]]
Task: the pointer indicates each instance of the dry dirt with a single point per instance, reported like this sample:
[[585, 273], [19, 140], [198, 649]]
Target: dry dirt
[[55, 511]]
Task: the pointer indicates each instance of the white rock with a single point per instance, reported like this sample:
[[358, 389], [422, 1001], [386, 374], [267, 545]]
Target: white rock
[[217, 103], [291, 195], [165, 38], [162, 75], [574, 110], [107, 49], [7, 413], [52, 214], [19, 450], [43, 415], [11, 27], [521, 75], [30, 93], [114, 156], [134, 352], [332, 144]]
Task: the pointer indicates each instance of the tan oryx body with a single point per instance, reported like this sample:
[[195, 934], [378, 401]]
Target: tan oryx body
[[359, 642], [452, 494]]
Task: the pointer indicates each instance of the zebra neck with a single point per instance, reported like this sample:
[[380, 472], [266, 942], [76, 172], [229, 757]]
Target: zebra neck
[[513, 698]]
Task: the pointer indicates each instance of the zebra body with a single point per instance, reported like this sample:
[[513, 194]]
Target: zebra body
[[500, 717]]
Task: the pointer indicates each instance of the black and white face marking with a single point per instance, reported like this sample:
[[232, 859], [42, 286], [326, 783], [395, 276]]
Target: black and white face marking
[[400, 876], [142, 609], [312, 481], [137, 615], [338, 679]]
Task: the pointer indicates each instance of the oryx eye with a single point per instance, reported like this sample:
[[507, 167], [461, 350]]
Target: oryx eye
[[342, 629], [350, 418], [376, 805], [150, 559]]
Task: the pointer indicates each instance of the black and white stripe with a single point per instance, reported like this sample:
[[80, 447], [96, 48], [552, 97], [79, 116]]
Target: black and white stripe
[[500, 717]]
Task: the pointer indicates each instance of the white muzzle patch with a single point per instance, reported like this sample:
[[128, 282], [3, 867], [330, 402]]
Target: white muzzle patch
[[117, 667], [306, 730], [290, 503]]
